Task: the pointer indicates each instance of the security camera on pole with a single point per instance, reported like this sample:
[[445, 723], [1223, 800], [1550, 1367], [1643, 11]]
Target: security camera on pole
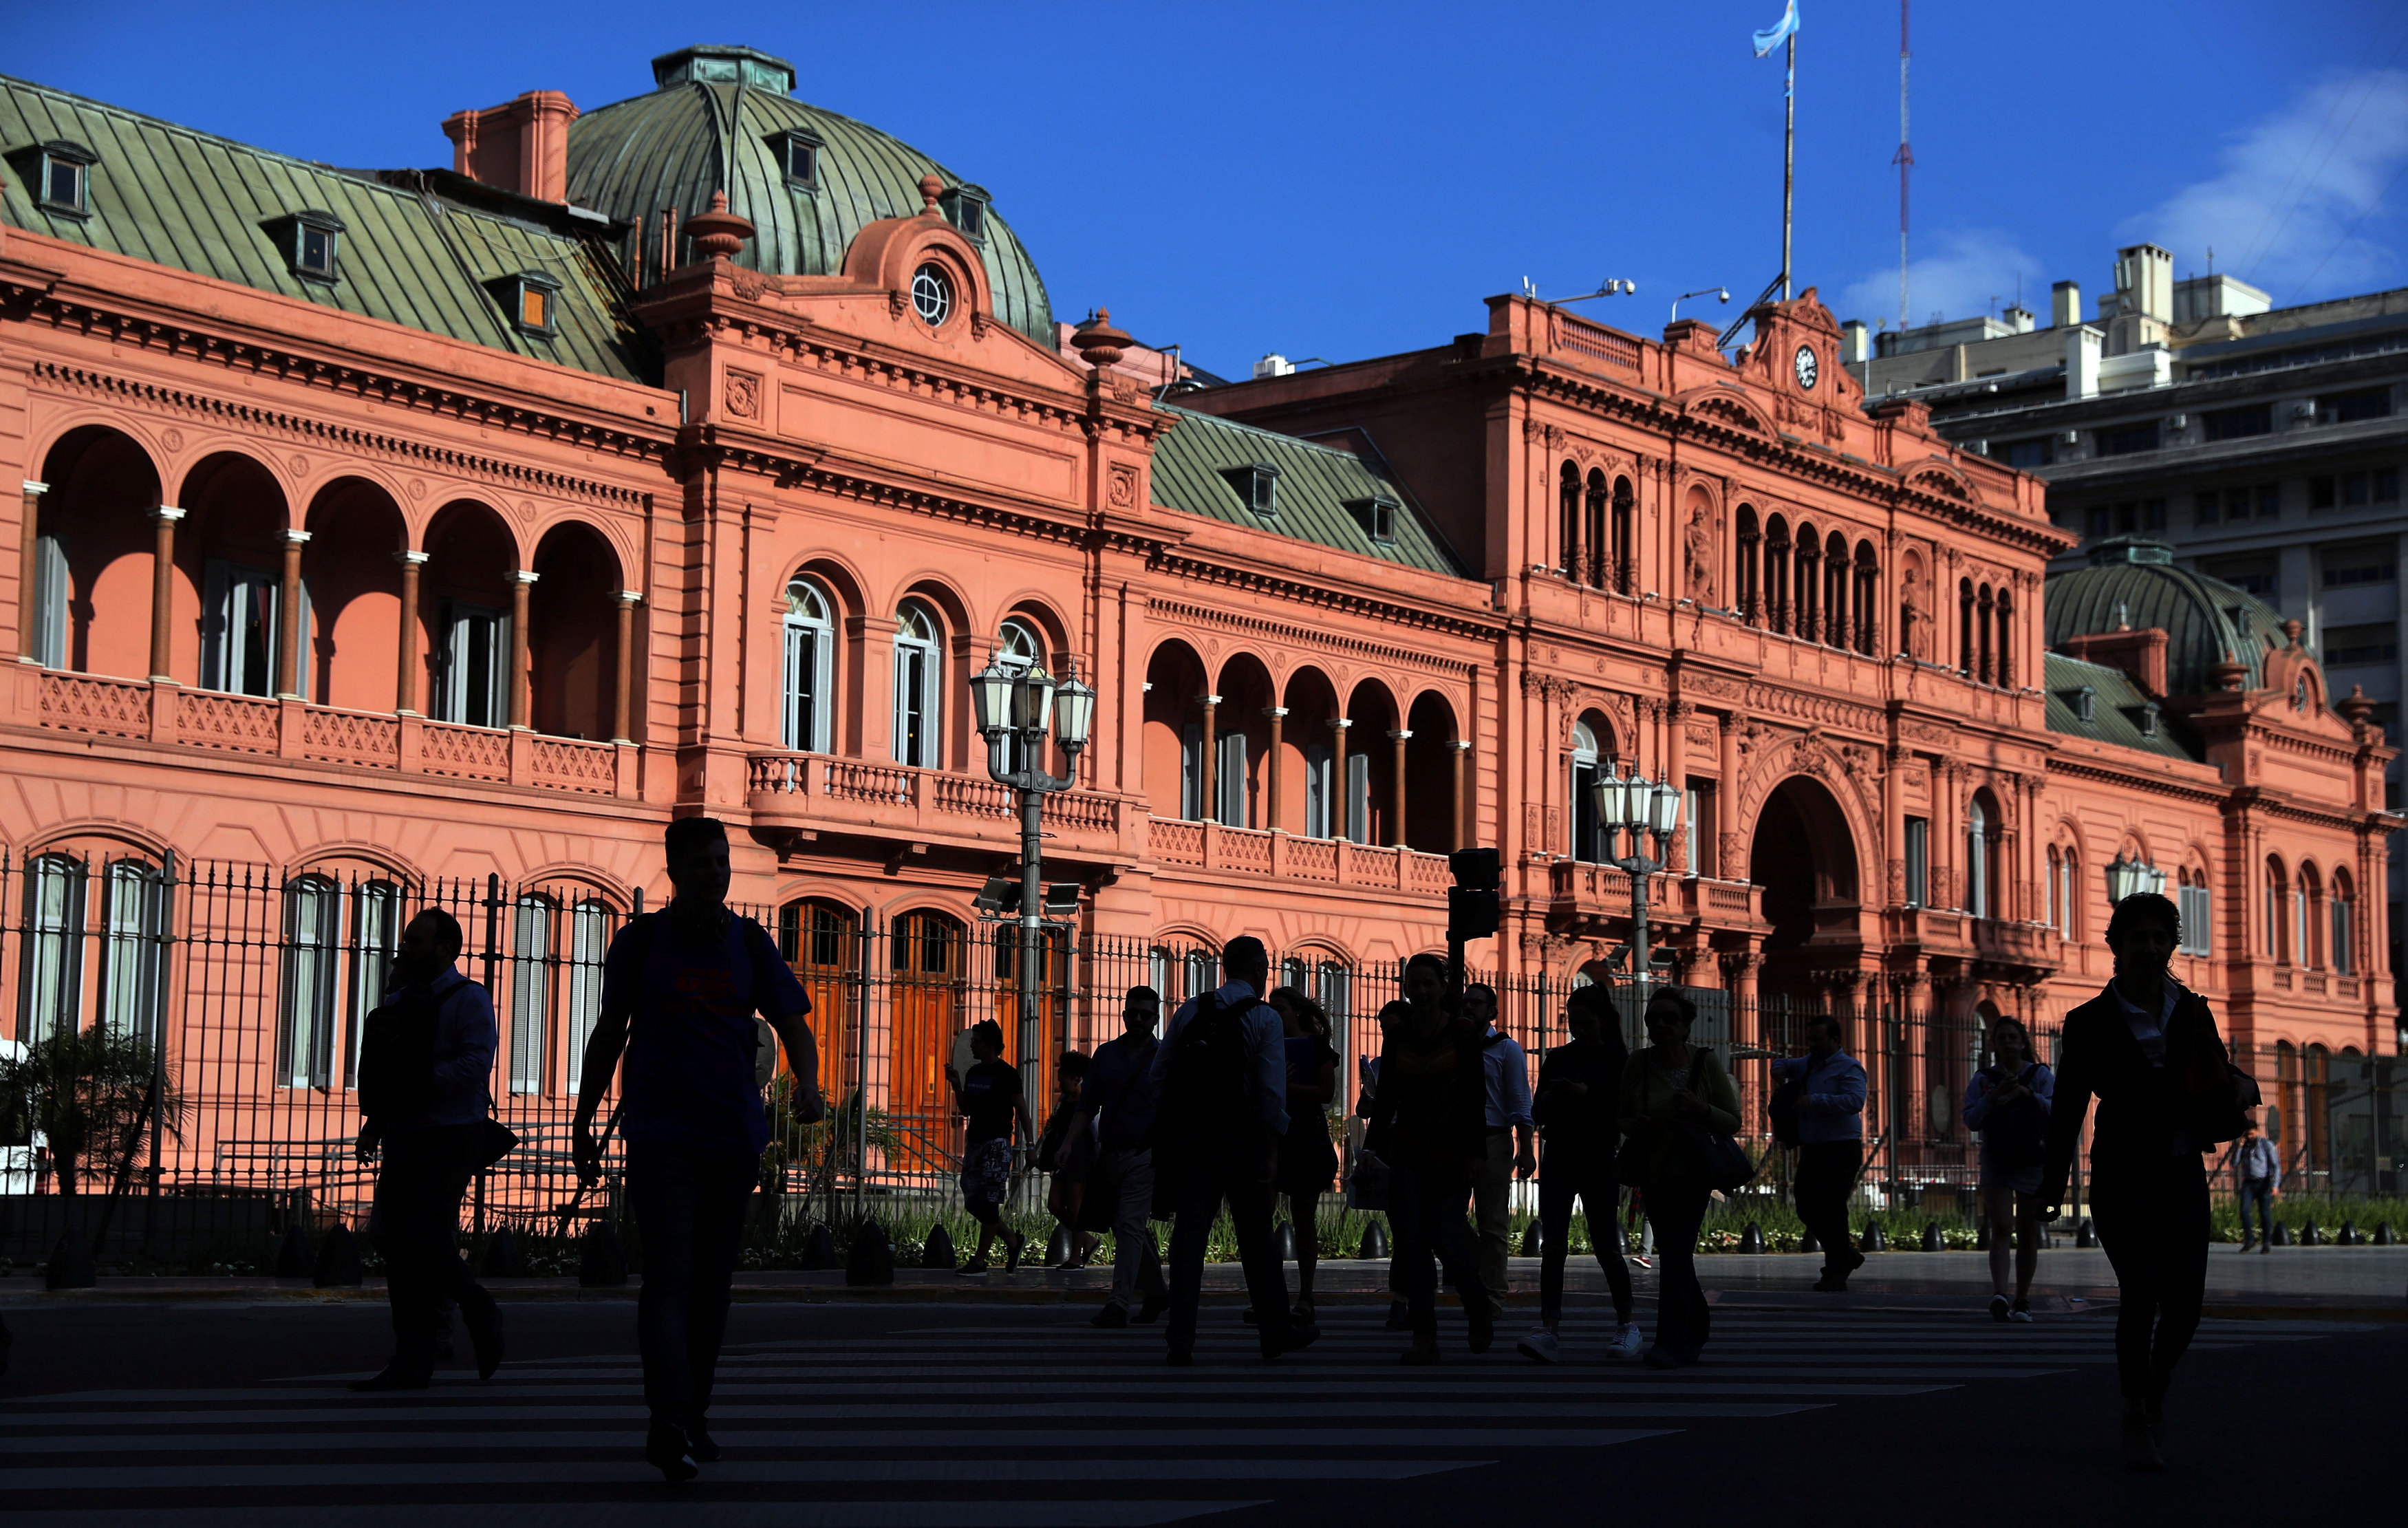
[[1641, 807], [1015, 706]]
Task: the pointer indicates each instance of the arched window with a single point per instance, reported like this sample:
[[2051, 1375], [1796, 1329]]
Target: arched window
[[927, 949], [822, 941], [314, 925], [1776, 573], [2068, 896], [376, 937], [2006, 622], [2343, 943], [1018, 650], [1982, 622], [1572, 557], [591, 923], [1838, 575], [1965, 646], [1625, 538], [2307, 909], [1604, 570], [919, 687], [51, 588], [1747, 570], [2048, 890], [2198, 917], [1977, 860], [806, 718], [1808, 622], [535, 950], [132, 954], [1868, 600], [2278, 895], [50, 961], [1587, 842]]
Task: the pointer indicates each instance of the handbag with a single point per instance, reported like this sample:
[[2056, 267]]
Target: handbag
[[497, 1141], [1716, 1157], [1366, 1185], [2217, 1096]]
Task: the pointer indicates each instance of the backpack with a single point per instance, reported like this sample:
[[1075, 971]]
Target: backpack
[[1208, 1071], [396, 1078]]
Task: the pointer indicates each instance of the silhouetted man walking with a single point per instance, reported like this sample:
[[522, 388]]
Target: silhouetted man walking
[[425, 1061], [1831, 1143], [1221, 1077], [688, 980]]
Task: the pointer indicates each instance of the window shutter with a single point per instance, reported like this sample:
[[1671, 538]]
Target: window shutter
[[1358, 797], [1191, 773], [1232, 781], [214, 626], [790, 731], [50, 602], [1316, 790]]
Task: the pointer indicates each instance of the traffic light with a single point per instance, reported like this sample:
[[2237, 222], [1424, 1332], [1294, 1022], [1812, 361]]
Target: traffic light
[[1473, 910]]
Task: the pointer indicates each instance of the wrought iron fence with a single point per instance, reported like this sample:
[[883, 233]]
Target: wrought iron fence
[[245, 985]]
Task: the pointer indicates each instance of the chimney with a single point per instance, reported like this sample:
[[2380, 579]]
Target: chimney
[[2145, 283], [2142, 655], [521, 145], [1853, 343], [2081, 360], [2065, 305]]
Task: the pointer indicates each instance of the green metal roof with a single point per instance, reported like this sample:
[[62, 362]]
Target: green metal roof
[[2118, 708], [636, 159], [2131, 581], [1318, 488], [178, 197]]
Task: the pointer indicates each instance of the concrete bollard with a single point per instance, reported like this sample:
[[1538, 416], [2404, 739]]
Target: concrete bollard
[[503, 1258], [601, 1258], [1375, 1242], [1873, 1240], [1931, 1239], [873, 1258], [819, 1250], [1533, 1238], [1751, 1239], [938, 1251], [338, 1260]]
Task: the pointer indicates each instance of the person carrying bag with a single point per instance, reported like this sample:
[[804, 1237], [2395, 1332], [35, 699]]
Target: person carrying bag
[[1680, 1111]]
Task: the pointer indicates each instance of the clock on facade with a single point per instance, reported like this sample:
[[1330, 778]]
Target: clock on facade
[[1804, 362]]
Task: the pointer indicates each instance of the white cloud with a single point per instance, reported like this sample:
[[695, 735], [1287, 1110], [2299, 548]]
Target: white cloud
[[1957, 278], [2284, 207]]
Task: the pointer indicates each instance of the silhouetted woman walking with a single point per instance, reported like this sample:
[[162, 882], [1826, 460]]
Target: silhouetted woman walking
[[2148, 1049], [1308, 1163], [1667, 1088]]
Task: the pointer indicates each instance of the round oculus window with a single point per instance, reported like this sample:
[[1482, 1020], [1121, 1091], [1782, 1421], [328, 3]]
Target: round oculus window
[[932, 294]]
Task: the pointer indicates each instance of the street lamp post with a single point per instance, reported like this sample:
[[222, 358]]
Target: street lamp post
[[1016, 708], [2129, 878], [1642, 808]]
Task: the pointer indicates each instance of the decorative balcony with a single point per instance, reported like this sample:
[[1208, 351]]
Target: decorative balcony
[[815, 792], [297, 732], [1582, 894], [1282, 856]]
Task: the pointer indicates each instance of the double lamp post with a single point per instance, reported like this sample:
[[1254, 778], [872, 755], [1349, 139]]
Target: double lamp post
[[1632, 804], [1016, 705]]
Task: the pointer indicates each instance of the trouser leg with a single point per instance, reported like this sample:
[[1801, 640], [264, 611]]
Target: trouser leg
[[1557, 1190], [662, 1192], [1411, 1213], [1244, 1172], [1601, 1201], [1131, 1234], [1304, 1216], [1682, 1314], [1826, 1172], [2182, 1284], [1199, 1202], [1492, 1201], [722, 1192], [1452, 1241], [2119, 1211]]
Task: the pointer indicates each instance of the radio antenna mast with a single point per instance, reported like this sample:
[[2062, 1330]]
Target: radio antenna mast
[[1903, 159]]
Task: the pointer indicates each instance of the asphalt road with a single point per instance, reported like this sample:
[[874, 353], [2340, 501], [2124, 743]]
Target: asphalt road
[[1883, 1409]]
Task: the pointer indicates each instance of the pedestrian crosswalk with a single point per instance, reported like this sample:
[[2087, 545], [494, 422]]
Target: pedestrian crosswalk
[[1014, 1417]]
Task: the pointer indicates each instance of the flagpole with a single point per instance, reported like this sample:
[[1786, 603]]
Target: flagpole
[[1788, 166]]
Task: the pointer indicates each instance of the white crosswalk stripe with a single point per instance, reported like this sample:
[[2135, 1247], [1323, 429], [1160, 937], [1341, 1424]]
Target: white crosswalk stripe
[[1035, 1422]]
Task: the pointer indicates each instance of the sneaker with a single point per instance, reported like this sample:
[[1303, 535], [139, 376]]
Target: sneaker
[[1400, 1316], [1111, 1315], [1302, 1314], [2021, 1313], [1626, 1343], [1855, 1260], [2139, 1447], [1154, 1307], [1660, 1357], [1298, 1337], [392, 1377], [1998, 1308], [1423, 1353], [701, 1446], [1542, 1346], [1639, 1262], [665, 1450], [1013, 1249], [1482, 1317], [974, 1268], [1830, 1285]]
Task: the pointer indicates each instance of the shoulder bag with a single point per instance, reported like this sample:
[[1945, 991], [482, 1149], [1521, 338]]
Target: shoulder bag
[[1716, 1157]]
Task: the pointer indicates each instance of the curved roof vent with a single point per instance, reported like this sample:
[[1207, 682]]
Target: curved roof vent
[[2130, 549], [723, 65]]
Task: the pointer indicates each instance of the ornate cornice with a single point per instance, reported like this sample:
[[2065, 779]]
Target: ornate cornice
[[1318, 636]]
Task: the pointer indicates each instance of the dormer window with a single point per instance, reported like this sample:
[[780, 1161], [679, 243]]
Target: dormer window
[[965, 207], [58, 174], [1258, 483], [311, 242], [799, 157], [531, 301], [2084, 702], [1378, 517]]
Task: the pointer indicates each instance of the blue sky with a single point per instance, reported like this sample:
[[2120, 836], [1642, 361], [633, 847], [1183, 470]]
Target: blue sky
[[1343, 180]]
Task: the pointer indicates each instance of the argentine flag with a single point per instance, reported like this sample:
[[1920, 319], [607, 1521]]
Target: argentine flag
[[1781, 31]]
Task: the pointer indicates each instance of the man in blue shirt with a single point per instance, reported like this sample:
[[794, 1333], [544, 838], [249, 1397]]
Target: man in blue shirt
[[1509, 1141], [432, 1145], [688, 980], [1120, 1088], [1222, 1095], [1830, 1144]]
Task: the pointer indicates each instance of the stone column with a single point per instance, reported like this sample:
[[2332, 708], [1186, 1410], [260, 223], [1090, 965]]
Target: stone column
[[623, 713], [29, 572], [1208, 800], [1341, 793], [522, 584], [1739, 971], [1676, 774], [163, 591], [1274, 816], [1461, 755], [1396, 788], [405, 680], [288, 634], [1894, 825]]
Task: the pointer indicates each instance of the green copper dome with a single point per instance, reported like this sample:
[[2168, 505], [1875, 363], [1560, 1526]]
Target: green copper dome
[[722, 118], [2131, 581]]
